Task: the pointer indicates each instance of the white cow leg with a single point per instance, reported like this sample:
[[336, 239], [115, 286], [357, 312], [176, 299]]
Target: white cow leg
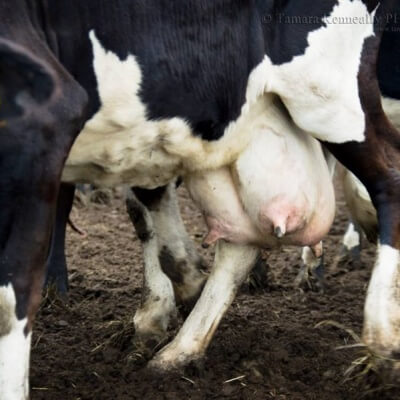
[[352, 240], [311, 274], [178, 256], [158, 301], [15, 345], [382, 307], [231, 267]]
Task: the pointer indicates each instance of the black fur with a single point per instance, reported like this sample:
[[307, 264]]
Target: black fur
[[389, 56]]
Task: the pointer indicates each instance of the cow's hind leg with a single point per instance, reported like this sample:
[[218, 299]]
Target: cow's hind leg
[[311, 274], [376, 162], [231, 266], [377, 165], [158, 301], [41, 112], [177, 253]]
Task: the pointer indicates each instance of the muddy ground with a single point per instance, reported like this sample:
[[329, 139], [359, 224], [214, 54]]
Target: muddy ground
[[268, 339]]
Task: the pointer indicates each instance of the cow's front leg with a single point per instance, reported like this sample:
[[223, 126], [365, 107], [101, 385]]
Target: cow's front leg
[[231, 267]]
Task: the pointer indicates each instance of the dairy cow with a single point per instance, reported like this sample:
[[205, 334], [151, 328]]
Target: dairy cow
[[158, 89], [380, 330]]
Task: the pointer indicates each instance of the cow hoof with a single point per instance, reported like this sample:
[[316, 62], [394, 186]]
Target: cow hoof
[[169, 359], [160, 366], [57, 280], [56, 290]]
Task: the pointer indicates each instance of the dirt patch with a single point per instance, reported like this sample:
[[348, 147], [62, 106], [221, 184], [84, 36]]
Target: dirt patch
[[267, 341]]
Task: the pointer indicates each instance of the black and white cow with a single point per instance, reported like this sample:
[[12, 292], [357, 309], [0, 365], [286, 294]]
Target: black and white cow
[[176, 88], [218, 293]]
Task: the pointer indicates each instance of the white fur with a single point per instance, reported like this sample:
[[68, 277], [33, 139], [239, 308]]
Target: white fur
[[310, 258], [320, 88], [14, 350], [351, 238], [157, 308], [232, 265], [382, 306], [392, 110]]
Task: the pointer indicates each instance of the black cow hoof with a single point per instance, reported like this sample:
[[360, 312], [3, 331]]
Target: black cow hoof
[[56, 287]]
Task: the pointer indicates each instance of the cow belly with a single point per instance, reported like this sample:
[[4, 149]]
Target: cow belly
[[131, 156]]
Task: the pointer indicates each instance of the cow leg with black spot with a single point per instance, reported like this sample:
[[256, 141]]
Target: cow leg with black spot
[[172, 267]]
